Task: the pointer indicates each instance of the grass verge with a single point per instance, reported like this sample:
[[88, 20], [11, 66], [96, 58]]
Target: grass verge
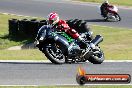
[[116, 2], [30, 54], [116, 45], [117, 42], [5, 40]]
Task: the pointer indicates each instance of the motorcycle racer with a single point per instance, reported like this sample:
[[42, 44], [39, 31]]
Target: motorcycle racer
[[55, 22], [104, 8]]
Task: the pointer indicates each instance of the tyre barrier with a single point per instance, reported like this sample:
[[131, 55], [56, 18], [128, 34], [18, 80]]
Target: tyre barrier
[[29, 28], [79, 25], [25, 27], [33, 28], [13, 26], [42, 22]]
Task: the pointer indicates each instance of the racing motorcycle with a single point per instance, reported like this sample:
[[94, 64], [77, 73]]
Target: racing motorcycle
[[60, 48], [112, 14]]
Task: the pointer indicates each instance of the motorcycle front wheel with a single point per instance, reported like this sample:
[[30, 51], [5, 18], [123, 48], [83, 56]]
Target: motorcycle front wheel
[[117, 16], [97, 57], [54, 53]]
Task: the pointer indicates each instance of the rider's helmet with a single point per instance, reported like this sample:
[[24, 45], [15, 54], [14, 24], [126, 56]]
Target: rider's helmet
[[106, 2], [53, 18]]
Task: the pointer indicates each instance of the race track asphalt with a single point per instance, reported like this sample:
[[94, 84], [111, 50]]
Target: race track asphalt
[[66, 9], [46, 73]]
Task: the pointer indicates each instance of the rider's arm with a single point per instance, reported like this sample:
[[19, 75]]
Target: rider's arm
[[63, 26]]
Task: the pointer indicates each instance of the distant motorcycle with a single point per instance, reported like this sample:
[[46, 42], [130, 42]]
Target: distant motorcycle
[[112, 14], [60, 48]]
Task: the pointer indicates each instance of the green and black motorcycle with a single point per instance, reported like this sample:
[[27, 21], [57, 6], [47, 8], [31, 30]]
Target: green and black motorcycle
[[60, 48]]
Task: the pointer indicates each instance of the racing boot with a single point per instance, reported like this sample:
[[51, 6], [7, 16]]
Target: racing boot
[[82, 43]]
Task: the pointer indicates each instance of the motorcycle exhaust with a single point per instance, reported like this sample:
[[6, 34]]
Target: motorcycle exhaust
[[93, 43], [97, 40]]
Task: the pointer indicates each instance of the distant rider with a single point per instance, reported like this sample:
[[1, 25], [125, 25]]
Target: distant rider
[[104, 8]]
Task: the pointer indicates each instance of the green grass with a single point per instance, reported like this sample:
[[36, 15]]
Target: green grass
[[116, 45], [30, 54], [117, 2], [67, 87], [117, 42]]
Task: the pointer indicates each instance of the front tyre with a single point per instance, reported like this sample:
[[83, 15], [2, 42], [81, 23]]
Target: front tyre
[[54, 53], [117, 16], [97, 57]]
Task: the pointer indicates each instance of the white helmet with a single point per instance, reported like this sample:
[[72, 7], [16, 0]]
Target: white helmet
[[106, 1]]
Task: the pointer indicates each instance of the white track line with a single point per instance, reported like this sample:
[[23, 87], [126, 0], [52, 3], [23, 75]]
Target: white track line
[[94, 84], [17, 15], [47, 61], [25, 61], [75, 85]]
